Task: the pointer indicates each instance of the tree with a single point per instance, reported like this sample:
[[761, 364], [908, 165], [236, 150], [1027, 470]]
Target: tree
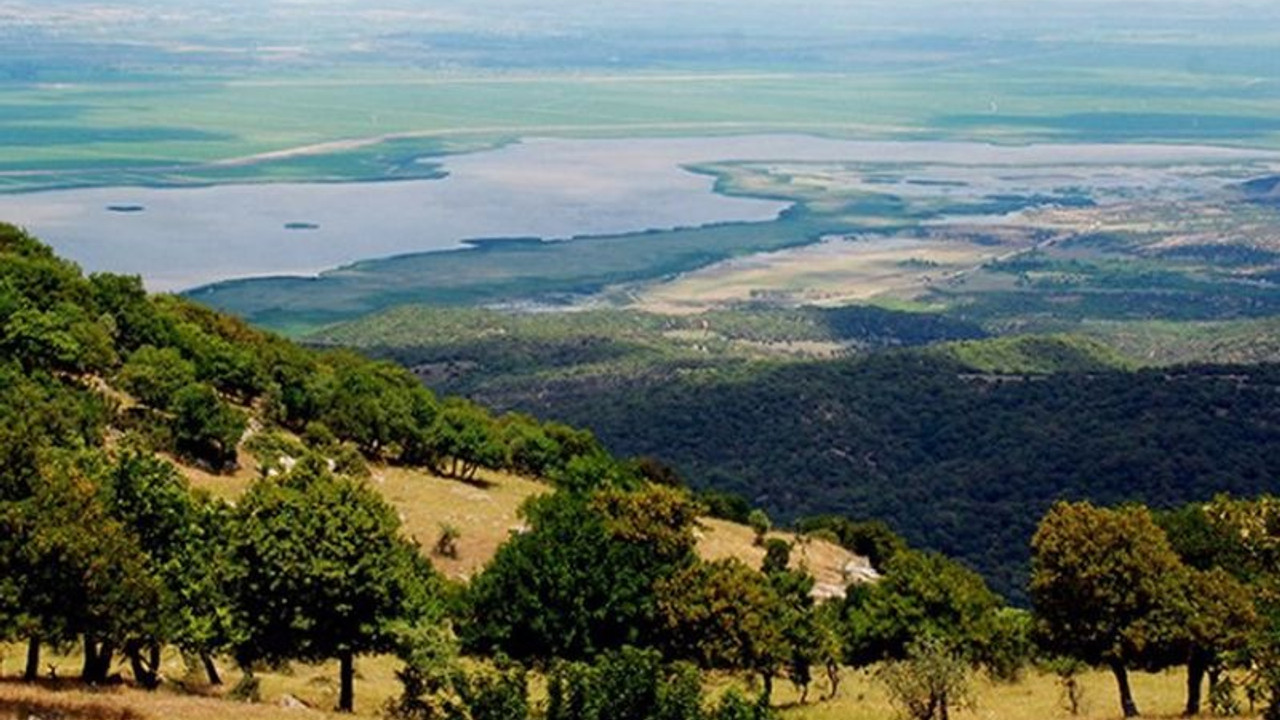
[[63, 338], [1218, 605], [137, 321], [79, 570], [206, 428], [871, 539], [321, 571], [1220, 619], [465, 435], [922, 595], [929, 681], [625, 684], [184, 538], [582, 579], [155, 375], [724, 615], [1101, 582], [777, 555], [1254, 525], [760, 525], [530, 450]]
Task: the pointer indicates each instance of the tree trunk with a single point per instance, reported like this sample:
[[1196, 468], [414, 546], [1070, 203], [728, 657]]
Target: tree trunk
[[833, 676], [1197, 665], [766, 697], [90, 659], [106, 652], [210, 669], [347, 671], [1127, 705], [32, 673], [97, 661], [944, 709], [144, 673]]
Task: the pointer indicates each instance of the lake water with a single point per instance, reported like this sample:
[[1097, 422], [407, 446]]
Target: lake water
[[546, 188]]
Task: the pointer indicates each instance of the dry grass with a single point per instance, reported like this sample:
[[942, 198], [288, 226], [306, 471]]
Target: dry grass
[[721, 539], [1035, 697], [487, 512], [122, 703], [227, 486], [836, 272], [186, 694], [485, 517]]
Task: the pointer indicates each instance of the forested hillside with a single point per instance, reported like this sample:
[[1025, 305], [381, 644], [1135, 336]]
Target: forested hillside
[[600, 606], [960, 448], [105, 545]]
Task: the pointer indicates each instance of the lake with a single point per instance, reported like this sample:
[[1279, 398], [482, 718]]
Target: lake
[[541, 187]]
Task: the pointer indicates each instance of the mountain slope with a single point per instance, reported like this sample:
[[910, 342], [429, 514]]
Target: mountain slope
[[958, 459]]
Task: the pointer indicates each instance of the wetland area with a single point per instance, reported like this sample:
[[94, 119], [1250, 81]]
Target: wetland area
[[558, 189]]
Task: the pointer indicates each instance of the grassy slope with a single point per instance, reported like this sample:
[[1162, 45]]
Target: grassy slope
[[1173, 343], [1035, 697], [487, 516]]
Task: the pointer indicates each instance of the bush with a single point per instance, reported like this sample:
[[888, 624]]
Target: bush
[[734, 705], [760, 525], [447, 544], [629, 684], [204, 427], [932, 680]]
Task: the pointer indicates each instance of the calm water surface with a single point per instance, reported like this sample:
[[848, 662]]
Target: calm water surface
[[547, 188]]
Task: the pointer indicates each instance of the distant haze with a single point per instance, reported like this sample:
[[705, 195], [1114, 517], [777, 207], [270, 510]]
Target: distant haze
[[459, 31]]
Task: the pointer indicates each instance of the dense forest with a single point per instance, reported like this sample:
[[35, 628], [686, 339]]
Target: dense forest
[[958, 447]]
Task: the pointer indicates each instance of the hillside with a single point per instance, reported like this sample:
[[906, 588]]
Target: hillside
[[960, 446], [959, 441], [486, 515], [953, 459], [183, 495]]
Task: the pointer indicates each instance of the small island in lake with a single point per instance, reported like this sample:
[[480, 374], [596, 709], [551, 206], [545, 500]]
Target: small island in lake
[[301, 226], [126, 208]]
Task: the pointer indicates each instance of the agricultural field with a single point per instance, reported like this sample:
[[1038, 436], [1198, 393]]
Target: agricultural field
[[191, 129]]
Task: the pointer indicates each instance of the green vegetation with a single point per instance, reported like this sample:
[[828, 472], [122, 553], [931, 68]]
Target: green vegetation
[[105, 545], [955, 458], [1035, 355], [321, 571], [488, 354], [504, 271], [1110, 589], [163, 130]]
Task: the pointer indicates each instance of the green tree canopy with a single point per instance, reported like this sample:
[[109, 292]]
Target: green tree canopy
[[155, 375], [581, 579], [922, 594], [321, 571], [1105, 583], [725, 615], [205, 427]]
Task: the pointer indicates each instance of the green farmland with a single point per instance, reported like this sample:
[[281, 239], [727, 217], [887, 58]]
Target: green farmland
[[372, 125]]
